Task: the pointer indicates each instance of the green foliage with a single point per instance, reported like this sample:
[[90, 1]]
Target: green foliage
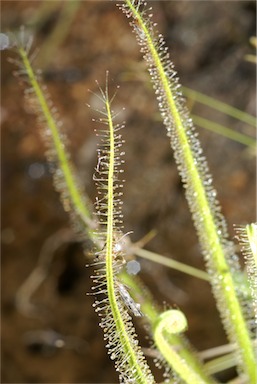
[[169, 323], [116, 322], [114, 303], [210, 225]]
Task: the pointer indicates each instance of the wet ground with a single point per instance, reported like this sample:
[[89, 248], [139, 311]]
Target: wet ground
[[208, 42]]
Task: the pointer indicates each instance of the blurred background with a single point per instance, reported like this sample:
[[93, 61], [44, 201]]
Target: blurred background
[[78, 41]]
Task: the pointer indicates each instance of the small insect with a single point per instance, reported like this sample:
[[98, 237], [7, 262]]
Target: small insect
[[128, 301], [99, 161]]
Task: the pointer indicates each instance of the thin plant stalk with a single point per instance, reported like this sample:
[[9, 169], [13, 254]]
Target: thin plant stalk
[[185, 268], [201, 196], [220, 106], [224, 131]]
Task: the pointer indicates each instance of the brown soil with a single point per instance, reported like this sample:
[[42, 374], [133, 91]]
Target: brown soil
[[208, 42]]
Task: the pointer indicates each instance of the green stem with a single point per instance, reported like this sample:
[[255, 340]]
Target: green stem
[[129, 350], [155, 257], [220, 106], [193, 175], [61, 153], [224, 131]]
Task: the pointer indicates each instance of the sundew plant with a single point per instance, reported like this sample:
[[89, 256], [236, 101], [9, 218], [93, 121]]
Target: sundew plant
[[115, 302]]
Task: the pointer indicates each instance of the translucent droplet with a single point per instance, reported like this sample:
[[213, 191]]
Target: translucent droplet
[[36, 170], [133, 267], [4, 41]]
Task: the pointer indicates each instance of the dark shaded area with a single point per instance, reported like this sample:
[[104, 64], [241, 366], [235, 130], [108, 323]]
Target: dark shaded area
[[208, 41]]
